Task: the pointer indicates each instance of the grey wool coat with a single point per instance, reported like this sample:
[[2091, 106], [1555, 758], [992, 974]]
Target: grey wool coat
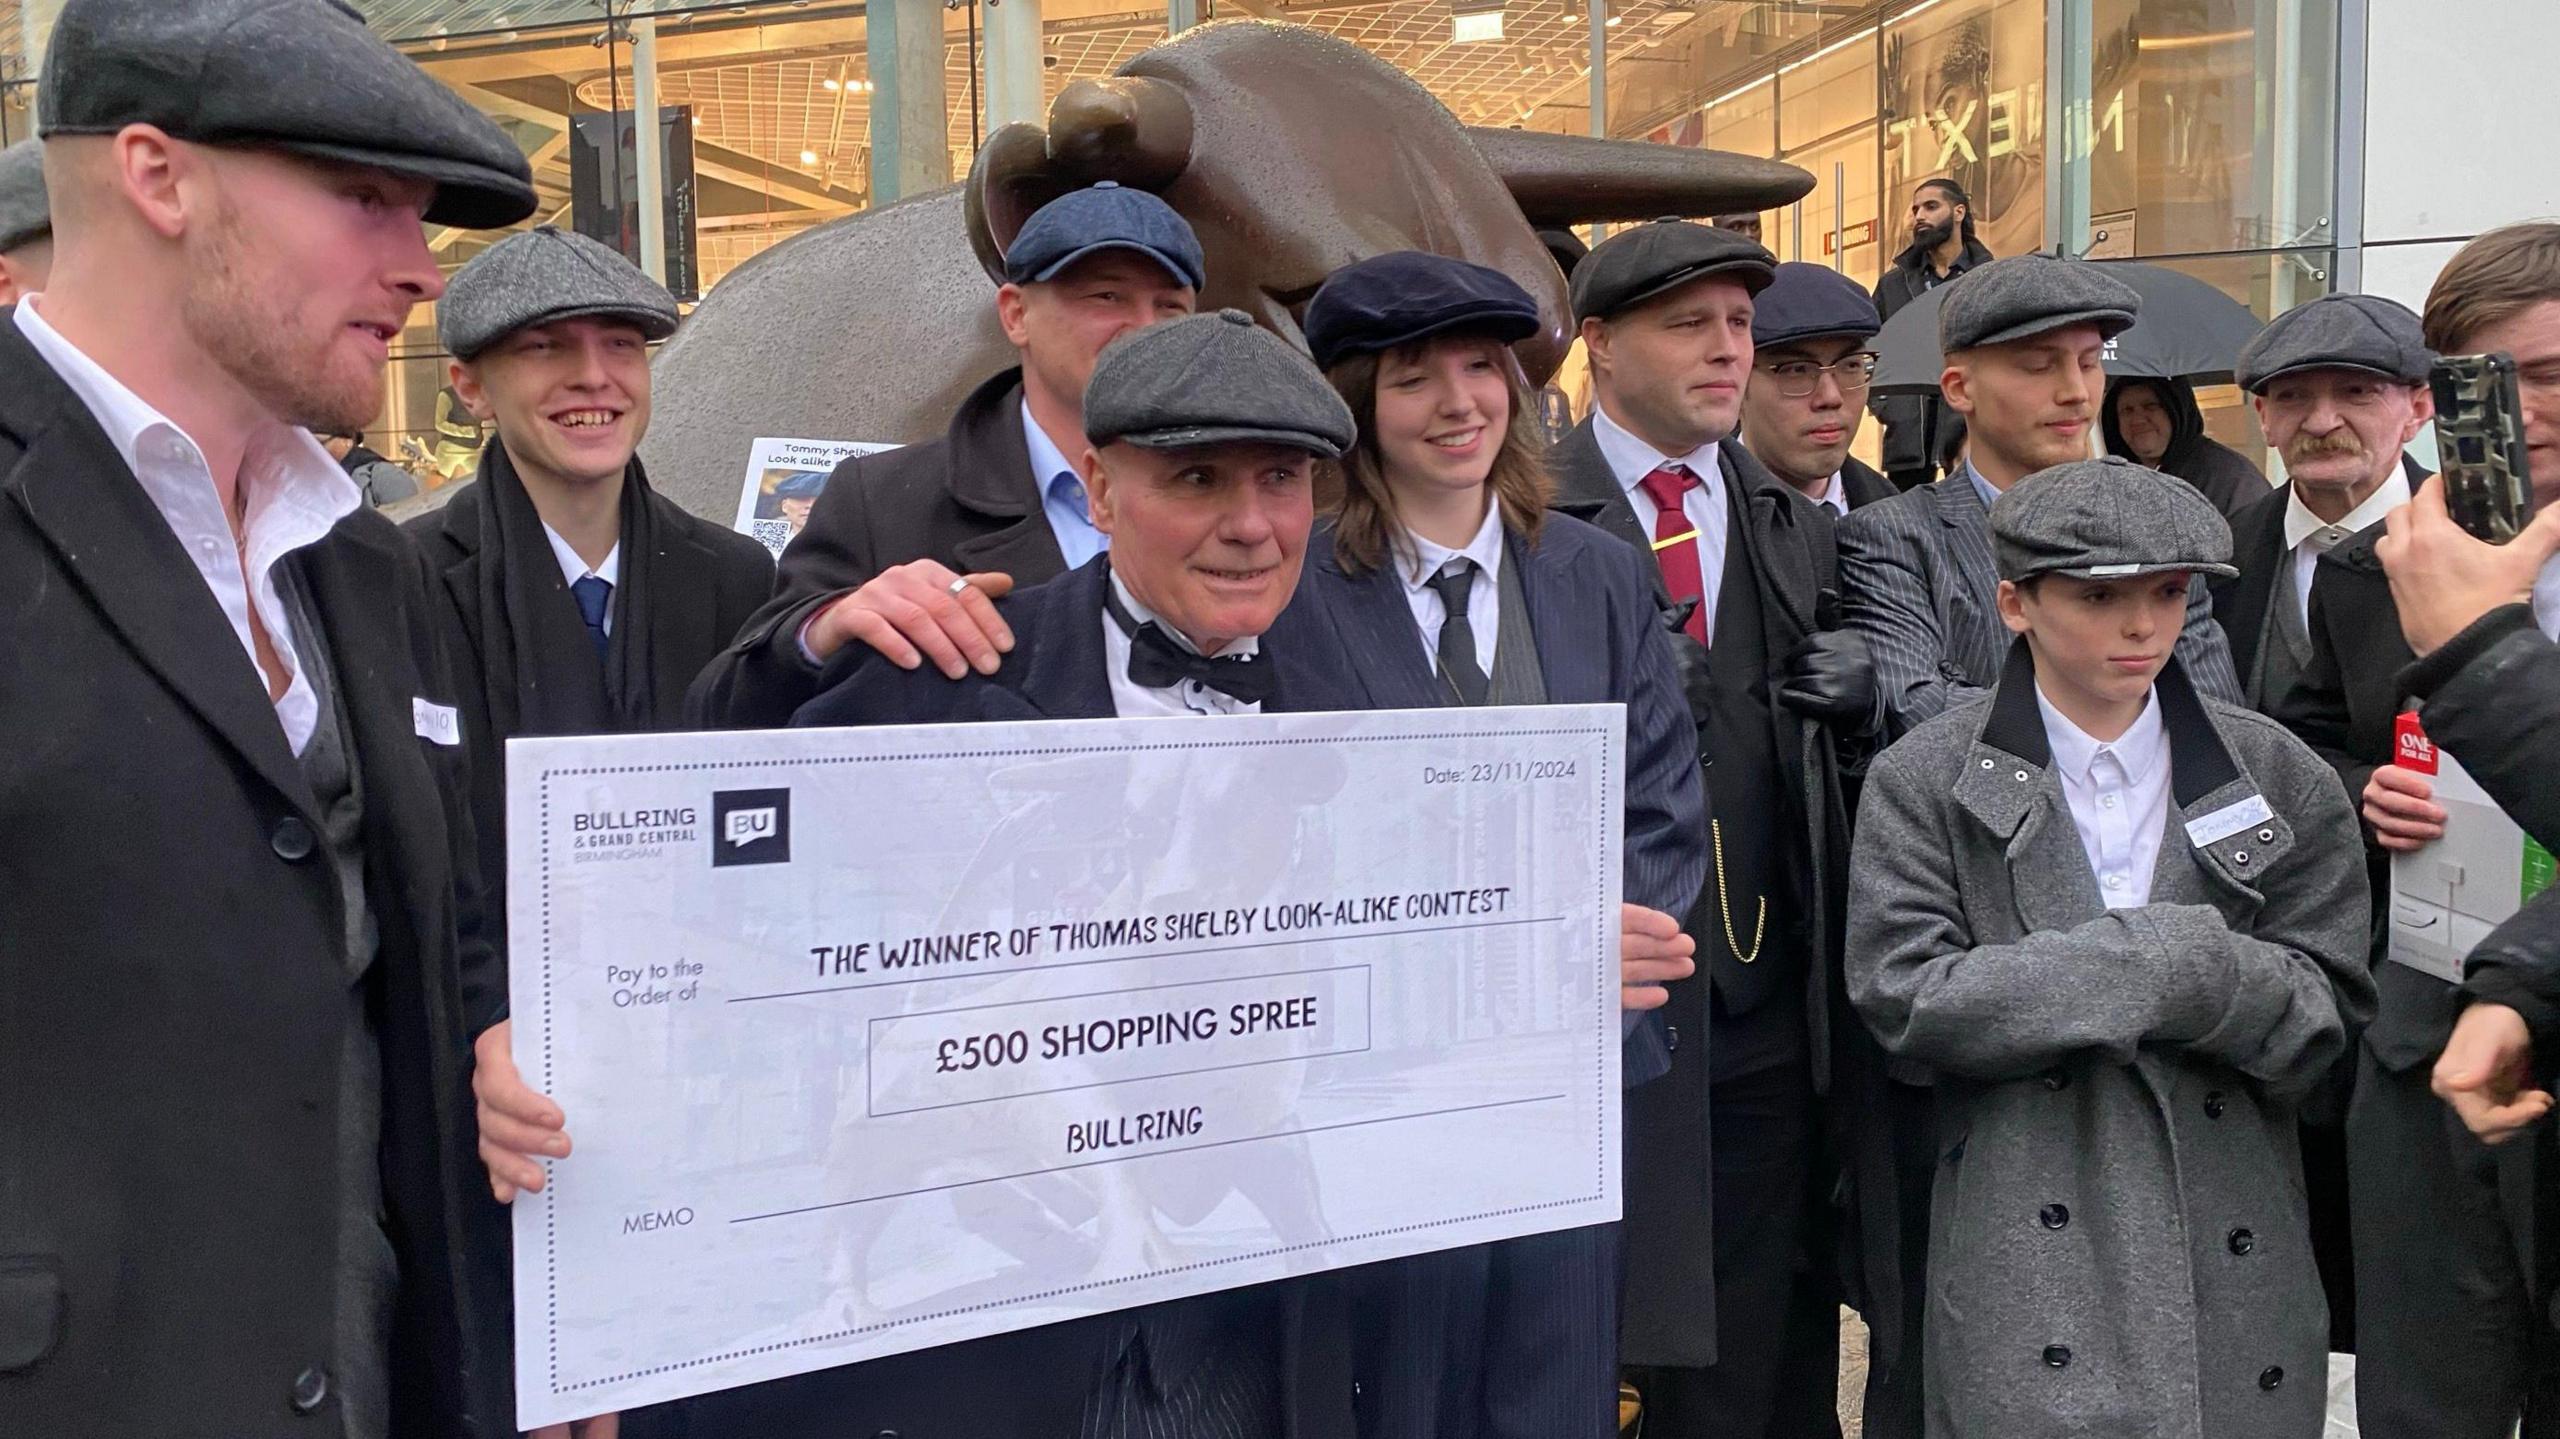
[[2119, 1241]]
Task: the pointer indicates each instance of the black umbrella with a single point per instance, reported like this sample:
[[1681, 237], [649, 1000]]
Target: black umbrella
[[2188, 330]]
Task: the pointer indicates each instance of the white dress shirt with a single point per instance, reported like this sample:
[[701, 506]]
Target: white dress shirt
[[2119, 795], [1631, 459], [1835, 497], [1484, 595], [1190, 697], [2546, 597], [574, 569], [293, 492], [2309, 537]]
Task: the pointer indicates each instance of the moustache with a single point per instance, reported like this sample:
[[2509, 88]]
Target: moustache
[[2321, 447]]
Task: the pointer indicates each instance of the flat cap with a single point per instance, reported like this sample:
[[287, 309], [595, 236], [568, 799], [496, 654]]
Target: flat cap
[[542, 276], [1103, 216], [1812, 302], [1643, 261], [303, 76], [800, 485], [2339, 332], [1408, 295], [2107, 519], [25, 214], [2028, 295], [1213, 379]]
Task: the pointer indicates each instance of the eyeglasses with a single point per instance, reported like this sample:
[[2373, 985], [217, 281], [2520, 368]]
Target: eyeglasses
[[1796, 379]]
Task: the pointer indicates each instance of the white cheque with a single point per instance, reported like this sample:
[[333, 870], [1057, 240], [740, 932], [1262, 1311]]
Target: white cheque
[[873, 1040]]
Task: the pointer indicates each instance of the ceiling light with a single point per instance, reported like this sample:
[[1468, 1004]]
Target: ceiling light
[[831, 84], [808, 157], [1472, 21], [1615, 20]]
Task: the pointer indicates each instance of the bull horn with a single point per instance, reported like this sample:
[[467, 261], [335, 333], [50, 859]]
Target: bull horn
[[1129, 128], [1010, 178], [1561, 180]]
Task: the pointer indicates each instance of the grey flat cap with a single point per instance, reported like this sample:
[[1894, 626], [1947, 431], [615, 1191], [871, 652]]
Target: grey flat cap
[[1642, 261], [2339, 332], [2028, 295], [1213, 379], [25, 215], [2107, 519], [304, 76], [542, 276]]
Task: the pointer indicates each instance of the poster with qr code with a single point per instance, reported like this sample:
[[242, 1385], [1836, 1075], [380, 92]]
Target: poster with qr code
[[783, 480]]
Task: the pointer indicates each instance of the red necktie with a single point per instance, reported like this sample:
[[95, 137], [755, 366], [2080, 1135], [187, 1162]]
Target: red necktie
[[1675, 541]]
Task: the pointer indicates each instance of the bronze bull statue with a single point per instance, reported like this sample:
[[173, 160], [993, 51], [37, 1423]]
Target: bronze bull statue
[[1290, 152]]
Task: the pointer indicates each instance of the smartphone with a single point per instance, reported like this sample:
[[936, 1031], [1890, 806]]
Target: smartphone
[[2480, 445]]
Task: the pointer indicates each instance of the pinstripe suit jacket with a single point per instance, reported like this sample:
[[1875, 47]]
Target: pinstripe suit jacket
[[1918, 583]]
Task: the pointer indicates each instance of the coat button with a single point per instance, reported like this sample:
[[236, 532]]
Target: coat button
[[2214, 1104], [2022, 776], [310, 1390], [2266, 836], [2054, 1216], [2239, 856], [2057, 1079], [2242, 1241], [1671, 1037], [2055, 1356], [292, 839], [2271, 1376]]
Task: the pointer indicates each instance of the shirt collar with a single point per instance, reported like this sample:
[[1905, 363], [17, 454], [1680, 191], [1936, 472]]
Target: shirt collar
[[1631, 459], [281, 467], [1835, 496], [1990, 492], [574, 569], [1431, 557], [1048, 462], [1245, 648], [2138, 749], [2300, 524]]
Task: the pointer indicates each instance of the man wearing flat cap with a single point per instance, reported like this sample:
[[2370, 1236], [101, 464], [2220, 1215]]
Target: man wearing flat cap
[[244, 971], [1810, 364], [2023, 339], [1728, 1328], [1202, 441], [2122, 923], [26, 222], [997, 499], [578, 599]]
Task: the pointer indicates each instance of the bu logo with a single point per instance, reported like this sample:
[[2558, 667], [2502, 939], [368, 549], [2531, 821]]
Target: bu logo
[[2411, 749], [750, 826]]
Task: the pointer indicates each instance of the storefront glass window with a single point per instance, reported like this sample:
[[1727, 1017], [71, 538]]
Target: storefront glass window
[[1963, 96]]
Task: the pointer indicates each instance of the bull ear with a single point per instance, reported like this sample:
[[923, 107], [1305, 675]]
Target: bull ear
[[1130, 129], [1563, 180]]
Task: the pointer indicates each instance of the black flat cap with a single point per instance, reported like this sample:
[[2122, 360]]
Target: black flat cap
[[1213, 379], [303, 76], [1408, 295], [2339, 332], [542, 276], [2028, 295], [25, 216], [1643, 261], [1812, 302], [1104, 216], [2107, 519]]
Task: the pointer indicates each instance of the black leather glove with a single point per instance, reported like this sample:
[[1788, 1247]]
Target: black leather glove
[[1689, 660], [1831, 678]]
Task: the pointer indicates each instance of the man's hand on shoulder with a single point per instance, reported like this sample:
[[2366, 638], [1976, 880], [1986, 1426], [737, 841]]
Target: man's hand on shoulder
[[916, 612]]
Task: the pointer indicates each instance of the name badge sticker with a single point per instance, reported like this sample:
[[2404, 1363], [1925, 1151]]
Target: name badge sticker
[[2228, 820], [440, 723]]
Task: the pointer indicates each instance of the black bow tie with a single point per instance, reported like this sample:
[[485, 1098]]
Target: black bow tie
[[1157, 661]]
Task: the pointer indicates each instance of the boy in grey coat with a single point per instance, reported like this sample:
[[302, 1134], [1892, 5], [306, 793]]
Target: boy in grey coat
[[2125, 925]]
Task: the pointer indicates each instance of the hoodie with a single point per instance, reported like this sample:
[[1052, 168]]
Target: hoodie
[[2221, 474]]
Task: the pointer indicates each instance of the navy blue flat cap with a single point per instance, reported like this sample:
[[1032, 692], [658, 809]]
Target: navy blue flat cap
[[1106, 216], [1409, 295], [302, 76], [1812, 302], [800, 485]]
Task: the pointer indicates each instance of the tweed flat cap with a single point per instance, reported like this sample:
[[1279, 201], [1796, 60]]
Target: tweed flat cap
[[303, 76], [1104, 216], [2107, 519], [2339, 332], [25, 214], [1408, 295], [1643, 261], [1812, 302], [2027, 295], [1213, 379], [542, 276]]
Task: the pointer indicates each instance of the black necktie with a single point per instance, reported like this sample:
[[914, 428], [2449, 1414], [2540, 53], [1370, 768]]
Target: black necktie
[[594, 596], [1157, 661], [1458, 638]]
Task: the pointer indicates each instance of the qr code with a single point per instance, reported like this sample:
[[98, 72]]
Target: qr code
[[773, 535]]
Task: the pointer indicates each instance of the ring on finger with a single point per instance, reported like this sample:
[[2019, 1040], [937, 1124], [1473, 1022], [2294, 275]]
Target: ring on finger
[[956, 588]]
